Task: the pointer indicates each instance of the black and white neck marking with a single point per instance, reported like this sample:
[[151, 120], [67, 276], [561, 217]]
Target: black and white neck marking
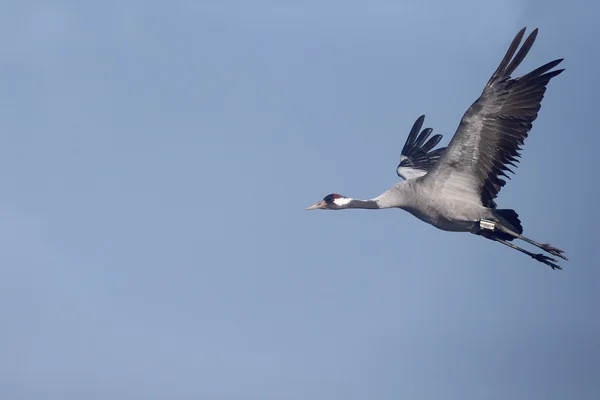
[[341, 203]]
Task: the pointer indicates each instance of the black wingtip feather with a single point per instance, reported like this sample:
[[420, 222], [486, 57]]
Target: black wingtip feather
[[508, 56], [522, 53], [539, 71], [431, 143], [422, 137], [417, 148], [415, 129]]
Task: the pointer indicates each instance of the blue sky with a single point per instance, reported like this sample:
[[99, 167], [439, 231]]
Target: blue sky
[[156, 161]]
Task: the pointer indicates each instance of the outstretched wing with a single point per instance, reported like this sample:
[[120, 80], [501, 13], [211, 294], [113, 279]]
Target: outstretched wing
[[492, 131], [417, 157]]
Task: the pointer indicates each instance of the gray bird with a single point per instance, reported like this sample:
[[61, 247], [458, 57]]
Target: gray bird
[[454, 188]]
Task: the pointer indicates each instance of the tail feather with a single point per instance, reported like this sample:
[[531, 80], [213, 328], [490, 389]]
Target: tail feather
[[511, 218]]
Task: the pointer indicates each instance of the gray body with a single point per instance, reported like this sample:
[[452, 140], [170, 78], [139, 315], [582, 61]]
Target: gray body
[[419, 198]]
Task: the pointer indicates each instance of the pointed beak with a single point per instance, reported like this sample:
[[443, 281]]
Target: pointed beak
[[320, 204]]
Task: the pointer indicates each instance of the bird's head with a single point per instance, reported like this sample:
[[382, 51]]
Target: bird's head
[[332, 201]]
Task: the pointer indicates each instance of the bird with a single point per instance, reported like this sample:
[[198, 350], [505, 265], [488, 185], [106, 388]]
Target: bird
[[454, 188]]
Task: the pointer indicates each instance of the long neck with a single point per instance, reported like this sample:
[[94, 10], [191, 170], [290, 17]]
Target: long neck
[[366, 204], [396, 196]]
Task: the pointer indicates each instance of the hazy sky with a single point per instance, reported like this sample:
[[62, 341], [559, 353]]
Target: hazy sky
[[156, 159]]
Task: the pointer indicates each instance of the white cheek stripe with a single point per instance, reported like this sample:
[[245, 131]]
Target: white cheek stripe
[[342, 201]]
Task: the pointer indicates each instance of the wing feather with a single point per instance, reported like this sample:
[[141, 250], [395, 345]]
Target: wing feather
[[493, 130], [417, 155]]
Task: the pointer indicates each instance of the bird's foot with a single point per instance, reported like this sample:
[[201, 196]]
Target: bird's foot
[[547, 260], [554, 251]]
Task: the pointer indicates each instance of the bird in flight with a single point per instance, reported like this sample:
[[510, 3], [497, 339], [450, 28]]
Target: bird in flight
[[454, 188]]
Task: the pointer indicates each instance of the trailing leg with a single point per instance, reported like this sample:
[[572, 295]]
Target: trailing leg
[[540, 257], [494, 231], [546, 247]]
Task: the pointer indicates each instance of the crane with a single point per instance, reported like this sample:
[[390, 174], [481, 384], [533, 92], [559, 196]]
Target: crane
[[454, 188]]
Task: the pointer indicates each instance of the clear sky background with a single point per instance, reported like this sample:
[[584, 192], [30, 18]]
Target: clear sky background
[[156, 159]]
